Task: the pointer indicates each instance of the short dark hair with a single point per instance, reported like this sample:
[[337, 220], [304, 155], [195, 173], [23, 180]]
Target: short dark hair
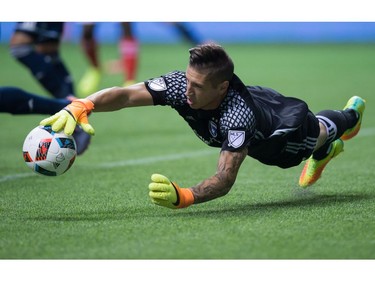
[[212, 58]]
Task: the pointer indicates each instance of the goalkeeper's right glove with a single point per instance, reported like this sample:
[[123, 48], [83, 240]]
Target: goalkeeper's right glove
[[73, 114]]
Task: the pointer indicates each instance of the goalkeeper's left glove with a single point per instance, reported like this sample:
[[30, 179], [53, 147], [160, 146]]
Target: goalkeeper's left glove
[[73, 114], [168, 194]]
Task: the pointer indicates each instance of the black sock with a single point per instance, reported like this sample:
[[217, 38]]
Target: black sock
[[336, 122], [323, 151]]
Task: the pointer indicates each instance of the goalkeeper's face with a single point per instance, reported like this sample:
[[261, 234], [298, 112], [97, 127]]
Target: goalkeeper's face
[[201, 93]]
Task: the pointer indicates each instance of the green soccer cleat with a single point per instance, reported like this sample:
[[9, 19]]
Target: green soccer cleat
[[313, 168], [358, 104], [89, 83]]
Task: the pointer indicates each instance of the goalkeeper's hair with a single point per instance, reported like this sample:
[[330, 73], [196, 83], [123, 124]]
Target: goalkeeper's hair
[[214, 60]]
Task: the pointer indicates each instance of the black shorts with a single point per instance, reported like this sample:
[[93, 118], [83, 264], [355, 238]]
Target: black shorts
[[289, 149], [42, 31]]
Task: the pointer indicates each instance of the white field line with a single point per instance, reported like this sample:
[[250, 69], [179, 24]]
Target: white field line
[[16, 176], [130, 162], [155, 159], [365, 132]]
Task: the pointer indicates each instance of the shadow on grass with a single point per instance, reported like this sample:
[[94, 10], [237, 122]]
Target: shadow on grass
[[300, 201]]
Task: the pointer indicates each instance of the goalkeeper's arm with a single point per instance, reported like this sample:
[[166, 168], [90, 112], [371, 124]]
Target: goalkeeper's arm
[[165, 193], [116, 98], [109, 99], [222, 181]]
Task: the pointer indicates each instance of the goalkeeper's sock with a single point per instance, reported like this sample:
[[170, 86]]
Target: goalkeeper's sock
[[337, 122], [17, 101], [129, 49]]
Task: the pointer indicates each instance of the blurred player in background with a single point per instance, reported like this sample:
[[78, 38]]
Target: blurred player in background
[[129, 54], [36, 45], [240, 120], [128, 49], [188, 35], [16, 101]]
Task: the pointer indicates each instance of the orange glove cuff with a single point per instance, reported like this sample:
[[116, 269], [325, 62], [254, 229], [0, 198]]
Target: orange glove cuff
[[79, 106], [185, 197]]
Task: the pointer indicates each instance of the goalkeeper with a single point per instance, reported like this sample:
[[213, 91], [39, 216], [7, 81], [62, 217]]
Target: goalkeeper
[[240, 120]]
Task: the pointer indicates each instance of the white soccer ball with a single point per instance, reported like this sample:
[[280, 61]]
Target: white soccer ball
[[47, 152]]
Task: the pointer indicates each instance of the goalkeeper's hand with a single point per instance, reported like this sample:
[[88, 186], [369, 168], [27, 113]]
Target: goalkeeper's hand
[[73, 114], [168, 194]]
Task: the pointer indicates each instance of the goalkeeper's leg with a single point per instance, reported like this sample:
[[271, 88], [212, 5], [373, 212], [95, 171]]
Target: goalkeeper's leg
[[334, 124]]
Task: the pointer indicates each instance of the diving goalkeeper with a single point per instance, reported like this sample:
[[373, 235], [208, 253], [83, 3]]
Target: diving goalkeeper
[[240, 120]]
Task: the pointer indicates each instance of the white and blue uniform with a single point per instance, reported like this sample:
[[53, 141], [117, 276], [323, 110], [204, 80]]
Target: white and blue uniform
[[47, 67], [42, 31]]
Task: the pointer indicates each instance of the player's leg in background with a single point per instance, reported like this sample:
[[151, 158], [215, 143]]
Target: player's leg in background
[[91, 79], [36, 46], [129, 52], [187, 33], [17, 101]]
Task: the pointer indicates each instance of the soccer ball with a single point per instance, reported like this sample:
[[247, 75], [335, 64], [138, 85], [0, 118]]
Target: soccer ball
[[47, 152]]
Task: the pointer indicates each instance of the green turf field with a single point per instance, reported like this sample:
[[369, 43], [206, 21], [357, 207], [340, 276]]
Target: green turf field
[[100, 208]]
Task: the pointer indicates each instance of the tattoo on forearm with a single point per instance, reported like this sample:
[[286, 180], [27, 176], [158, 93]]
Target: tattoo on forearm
[[220, 184]]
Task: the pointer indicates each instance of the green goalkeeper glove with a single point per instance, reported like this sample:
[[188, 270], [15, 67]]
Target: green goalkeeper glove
[[168, 194], [73, 114]]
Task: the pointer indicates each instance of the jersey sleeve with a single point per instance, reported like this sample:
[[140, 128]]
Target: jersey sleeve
[[236, 139], [238, 124], [168, 89]]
